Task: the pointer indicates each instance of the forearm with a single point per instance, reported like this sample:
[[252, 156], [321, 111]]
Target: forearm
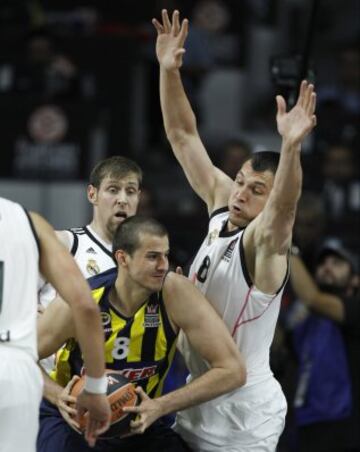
[[302, 282], [51, 389], [210, 385], [90, 336], [178, 115]]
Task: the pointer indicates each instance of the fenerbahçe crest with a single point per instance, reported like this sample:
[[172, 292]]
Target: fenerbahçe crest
[[152, 316], [92, 267]]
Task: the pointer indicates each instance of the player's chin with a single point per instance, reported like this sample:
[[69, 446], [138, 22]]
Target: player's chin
[[238, 220]]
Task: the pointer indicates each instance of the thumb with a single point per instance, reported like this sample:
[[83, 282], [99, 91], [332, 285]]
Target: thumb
[[281, 105]]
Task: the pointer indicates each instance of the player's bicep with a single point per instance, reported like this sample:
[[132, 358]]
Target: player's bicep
[[54, 327], [203, 327]]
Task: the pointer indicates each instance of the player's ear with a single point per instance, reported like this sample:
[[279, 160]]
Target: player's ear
[[92, 194], [121, 258]]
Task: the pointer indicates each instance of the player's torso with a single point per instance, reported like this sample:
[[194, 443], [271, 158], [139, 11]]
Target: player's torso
[[219, 271], [140, 348], [19, 258]]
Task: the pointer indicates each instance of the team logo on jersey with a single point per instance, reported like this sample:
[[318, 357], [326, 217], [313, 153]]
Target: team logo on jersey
[[91, 250], [152, 316], [229, 250], [105, 318], [92, 267], [212, 236]]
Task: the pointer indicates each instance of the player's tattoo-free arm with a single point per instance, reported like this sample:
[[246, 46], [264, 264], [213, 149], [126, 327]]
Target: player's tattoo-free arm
[[212, 185]]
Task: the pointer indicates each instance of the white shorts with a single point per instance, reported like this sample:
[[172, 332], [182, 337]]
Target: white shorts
[[21, 391], [249, 419]]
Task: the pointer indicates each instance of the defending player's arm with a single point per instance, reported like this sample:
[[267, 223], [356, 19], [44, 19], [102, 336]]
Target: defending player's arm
[[271, 231], [308, 292], [208, 335], [60, 269], [212, 185]]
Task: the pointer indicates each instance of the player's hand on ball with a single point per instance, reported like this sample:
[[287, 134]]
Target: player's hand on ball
[[147, 412], [98, 414], [66, 404]]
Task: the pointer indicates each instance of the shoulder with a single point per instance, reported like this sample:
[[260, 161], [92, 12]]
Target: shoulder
[[104, 279], [65, 238]]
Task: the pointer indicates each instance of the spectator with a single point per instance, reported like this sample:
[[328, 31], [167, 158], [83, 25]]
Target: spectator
[[327, 342]]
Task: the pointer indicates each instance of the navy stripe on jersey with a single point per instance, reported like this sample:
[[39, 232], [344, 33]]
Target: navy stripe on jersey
[[75, 243], [218, 211], [94, 239], [32, 227], [243, 262]]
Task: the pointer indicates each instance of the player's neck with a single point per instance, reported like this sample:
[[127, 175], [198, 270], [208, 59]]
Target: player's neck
[[101, 232], [127, 297]]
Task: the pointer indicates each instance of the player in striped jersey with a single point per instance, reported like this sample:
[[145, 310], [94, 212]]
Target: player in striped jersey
[[113, 191], [143, 307], [242, 265]]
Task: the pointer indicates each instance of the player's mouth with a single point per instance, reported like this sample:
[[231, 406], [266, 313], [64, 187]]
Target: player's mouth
[[121, 216]]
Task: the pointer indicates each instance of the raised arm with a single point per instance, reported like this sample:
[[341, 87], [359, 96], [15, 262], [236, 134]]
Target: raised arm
[[308, 292], [60, 269], [212, 185], [191, 312], [271, 232]]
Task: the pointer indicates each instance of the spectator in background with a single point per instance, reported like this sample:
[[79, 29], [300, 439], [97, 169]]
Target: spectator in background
[[341, 188], [327, 342], [310, 224], [234, 153]]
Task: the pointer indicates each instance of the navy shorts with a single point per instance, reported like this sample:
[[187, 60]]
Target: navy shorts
[[55, 435]]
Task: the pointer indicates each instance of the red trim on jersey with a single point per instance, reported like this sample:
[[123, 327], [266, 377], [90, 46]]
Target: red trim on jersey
[[238, 323]]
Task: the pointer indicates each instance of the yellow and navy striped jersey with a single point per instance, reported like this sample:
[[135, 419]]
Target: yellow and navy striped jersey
[[140, 347]]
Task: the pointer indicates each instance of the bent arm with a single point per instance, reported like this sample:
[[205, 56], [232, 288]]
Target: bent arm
[[308, 292], [192, 313], [60, 269]]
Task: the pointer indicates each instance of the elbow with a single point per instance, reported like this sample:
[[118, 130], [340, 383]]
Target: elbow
[[238, 373], [179, 136]]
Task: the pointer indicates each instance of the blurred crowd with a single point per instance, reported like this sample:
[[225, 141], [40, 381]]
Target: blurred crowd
[[79, 82]]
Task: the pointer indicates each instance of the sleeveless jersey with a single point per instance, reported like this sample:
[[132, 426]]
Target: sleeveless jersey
[[219, 271], [92, 255], [140, 347], [19, 272]]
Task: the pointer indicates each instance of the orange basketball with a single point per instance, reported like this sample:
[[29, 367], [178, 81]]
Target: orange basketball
[[120, 393]]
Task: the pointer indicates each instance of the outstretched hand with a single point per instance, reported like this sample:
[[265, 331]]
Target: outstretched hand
[[170, 40], [295, 124]]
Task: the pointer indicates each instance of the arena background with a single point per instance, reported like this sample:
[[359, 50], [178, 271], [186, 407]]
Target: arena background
[[79, 82]]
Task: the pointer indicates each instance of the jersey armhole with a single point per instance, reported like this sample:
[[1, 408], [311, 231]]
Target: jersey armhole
[[246, 273], [75, 243], [32, 227]]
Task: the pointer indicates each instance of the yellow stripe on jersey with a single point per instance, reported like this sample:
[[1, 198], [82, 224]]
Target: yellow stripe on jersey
[[151, 384], [62, 372], [137, 333], [97, 294]]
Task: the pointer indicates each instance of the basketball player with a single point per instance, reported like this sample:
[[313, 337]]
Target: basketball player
[[242, 264], [113, 190], [142, 307], [27, 244]]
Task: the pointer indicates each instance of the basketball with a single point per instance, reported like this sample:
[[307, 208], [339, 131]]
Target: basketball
[[120, 393]]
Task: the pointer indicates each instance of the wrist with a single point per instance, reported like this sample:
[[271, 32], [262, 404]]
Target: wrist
[[96, 385]]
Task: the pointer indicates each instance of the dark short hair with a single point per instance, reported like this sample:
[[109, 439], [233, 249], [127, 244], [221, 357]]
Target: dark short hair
[[127, 235], [264, 161], [116, 167]]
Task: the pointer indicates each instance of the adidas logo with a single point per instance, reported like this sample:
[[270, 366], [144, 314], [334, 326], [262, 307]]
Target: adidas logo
[[91, 250]]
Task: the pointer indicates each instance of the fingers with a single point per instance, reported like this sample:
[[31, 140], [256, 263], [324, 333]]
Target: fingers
[[175, 22], [281, 105], [158, 26], [166, 21], [183, 32]]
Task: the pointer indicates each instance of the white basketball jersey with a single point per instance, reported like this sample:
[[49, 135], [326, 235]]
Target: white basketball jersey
[[19, 272], [90, 252], [219, 271]]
